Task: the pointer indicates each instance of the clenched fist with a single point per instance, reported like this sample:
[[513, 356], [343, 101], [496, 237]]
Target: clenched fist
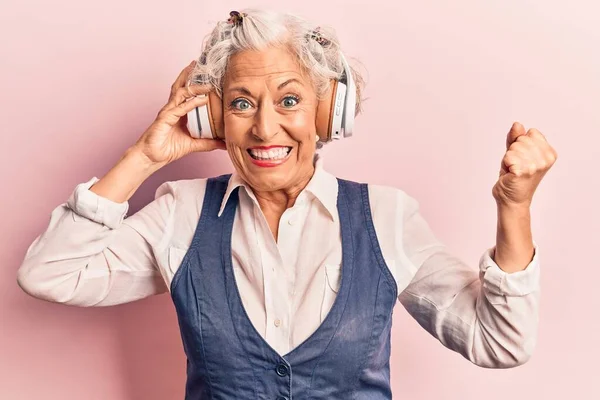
[[527, 159]]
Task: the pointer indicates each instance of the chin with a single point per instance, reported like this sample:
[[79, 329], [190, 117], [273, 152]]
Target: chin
[[269, 180]]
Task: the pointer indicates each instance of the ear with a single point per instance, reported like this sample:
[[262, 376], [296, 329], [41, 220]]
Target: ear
[[325, 112], [215, 115]]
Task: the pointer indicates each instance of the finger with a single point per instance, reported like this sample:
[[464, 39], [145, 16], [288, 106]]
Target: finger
[[516, 130], [522, 165], [173, 114], [513, 162], [523, 144], [186, 93], [207, 144], [519, 147], [525, 139], [530, 148], [537, 135], [529, 156], [182, 78], [547, 151]]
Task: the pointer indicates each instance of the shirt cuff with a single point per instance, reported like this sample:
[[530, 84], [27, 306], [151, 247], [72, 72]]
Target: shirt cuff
[[501, 283], [94, 207]]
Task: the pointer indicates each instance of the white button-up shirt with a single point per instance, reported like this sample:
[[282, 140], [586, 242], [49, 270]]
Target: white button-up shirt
[[92, 254]]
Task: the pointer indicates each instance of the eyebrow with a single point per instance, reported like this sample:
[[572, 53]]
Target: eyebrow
[[284, 84], [247, 92], [240, 89]]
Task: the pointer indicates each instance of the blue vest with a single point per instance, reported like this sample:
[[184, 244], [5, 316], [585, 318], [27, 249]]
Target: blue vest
[[347, 357]]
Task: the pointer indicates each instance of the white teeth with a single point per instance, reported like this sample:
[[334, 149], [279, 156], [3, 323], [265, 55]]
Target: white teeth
[[271, 154]]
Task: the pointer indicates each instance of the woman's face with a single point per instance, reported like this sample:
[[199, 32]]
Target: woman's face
[[269, 110]]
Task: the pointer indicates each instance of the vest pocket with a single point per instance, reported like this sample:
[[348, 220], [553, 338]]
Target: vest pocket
[[331, 287], [175, 258]]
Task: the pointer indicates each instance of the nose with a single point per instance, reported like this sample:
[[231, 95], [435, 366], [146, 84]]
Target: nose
[[266, 122]]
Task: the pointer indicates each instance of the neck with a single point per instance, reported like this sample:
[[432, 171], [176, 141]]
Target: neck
[[274, 203]]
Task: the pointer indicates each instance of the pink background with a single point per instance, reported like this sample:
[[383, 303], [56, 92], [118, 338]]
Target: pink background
[[82, 80]]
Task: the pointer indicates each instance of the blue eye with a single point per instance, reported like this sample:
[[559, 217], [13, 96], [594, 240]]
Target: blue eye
[[241, 104], [290, 101]]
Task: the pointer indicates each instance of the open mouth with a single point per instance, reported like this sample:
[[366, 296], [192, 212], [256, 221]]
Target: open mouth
[[270, 154]]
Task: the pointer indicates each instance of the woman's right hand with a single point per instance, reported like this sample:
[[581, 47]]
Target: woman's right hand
[[167, 139]]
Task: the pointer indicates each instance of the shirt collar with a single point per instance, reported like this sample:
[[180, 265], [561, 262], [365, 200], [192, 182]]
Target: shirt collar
[[323, 186]]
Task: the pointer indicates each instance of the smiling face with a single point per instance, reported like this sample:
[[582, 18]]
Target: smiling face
[[269, 112]]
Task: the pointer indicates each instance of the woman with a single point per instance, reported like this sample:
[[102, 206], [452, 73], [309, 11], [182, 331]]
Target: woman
[[284, 277]]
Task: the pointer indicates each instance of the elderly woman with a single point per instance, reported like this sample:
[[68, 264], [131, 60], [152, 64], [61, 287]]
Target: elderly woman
[[284, 277]]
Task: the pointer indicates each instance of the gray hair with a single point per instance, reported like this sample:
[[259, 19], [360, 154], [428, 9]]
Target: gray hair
[[260, 29]]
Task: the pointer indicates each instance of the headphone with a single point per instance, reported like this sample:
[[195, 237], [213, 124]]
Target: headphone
[[335, 112]]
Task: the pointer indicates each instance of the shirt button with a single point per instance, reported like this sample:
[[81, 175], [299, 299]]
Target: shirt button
[[291, 221], [281, 369], [277, 322]]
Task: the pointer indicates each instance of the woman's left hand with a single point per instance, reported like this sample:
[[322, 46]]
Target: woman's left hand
[[527, 159]]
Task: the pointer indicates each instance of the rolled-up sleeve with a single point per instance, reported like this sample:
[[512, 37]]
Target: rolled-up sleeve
[[92, 254], [487, 315], [87, 204]]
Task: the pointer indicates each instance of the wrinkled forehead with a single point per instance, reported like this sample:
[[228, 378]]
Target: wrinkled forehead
[[258, 66]]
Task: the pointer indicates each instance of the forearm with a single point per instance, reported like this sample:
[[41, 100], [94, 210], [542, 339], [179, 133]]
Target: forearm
[[87, 256], [514, 243], [121, 182], [491, 318]]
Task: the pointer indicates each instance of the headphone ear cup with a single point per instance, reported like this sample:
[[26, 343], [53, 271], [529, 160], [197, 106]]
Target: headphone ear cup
[[325, 112], [215, 115], [206, 121]]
